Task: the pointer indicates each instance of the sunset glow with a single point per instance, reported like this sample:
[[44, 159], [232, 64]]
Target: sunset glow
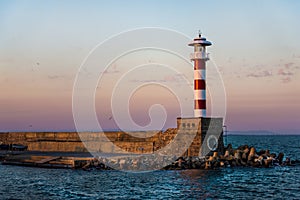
[[256, 47]]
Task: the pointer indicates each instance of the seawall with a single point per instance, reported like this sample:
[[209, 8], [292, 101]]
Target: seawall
[[74, 142], [132, 142]]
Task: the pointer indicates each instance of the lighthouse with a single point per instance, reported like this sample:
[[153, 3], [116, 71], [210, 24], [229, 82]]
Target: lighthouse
[[206, 131], [199, 57]]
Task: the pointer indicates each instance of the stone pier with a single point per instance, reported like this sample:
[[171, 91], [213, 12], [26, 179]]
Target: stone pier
[[208, 134]]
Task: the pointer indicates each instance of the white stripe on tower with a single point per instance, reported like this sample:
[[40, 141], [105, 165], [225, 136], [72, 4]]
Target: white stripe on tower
[[199, 74], [200, 94]]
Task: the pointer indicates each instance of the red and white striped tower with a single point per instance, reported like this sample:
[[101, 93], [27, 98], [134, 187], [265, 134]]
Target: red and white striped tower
[[199, 57]]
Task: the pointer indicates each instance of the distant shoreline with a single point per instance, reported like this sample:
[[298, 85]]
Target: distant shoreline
[[280, 134], [228, 133], [262, 132]]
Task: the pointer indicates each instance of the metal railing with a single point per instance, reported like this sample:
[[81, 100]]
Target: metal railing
[[199, 55]]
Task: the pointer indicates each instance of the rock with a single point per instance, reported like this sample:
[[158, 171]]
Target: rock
[[228, 148], [122, 163], [87, 165], [135, 164], [261, 152], [243, 147], [287, 162], [230, 158], [215, 164], [256, 164], [211, 158], [273, 155], [280, 158], [215, 155], [267, 153], [237, 154], [244, 156], [246, 150], [251, 155], [233, 163], [243, 163], [267, 162], [227, 153], [208, 165], [250, 163], [222, 164]]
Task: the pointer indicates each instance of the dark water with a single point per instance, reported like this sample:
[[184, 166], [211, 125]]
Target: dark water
[[238, 183]]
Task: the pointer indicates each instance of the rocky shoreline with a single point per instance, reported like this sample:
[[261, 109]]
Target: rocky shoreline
[[243, 156]]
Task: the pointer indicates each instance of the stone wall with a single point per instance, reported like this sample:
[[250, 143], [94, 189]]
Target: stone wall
[[143, 142], [118, 142]]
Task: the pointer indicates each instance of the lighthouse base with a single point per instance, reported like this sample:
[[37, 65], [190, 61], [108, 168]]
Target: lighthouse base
[[208, 134]]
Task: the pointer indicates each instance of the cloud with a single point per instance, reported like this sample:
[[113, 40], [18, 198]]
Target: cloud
[[286, 79], [265, 73], [56, 77], [283, 72], [288, 65], [177, 78], [287, 73]]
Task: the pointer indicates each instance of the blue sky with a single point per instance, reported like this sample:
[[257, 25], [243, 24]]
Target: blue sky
[[255, 45]]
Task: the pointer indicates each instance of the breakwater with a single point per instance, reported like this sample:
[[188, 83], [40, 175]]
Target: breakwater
[[243, 156], [100, 142], [142, 142], [193, 137], [73, 142]]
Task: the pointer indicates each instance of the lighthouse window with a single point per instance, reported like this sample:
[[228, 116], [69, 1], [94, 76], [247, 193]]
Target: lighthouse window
[[183, 125], [193, 125], [198, 48]]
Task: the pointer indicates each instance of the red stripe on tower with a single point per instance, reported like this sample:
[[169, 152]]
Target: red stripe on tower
[[200, 104], [199, 57], [199, 84]]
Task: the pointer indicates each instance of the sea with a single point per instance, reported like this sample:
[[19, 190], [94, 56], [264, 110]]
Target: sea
[[281, 182]]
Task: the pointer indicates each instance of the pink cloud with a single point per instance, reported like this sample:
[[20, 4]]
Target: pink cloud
[[282, 72], [286, 79], [264, 73], [288, 65]]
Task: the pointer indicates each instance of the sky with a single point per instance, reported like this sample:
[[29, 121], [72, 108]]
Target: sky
[[45, 45]]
